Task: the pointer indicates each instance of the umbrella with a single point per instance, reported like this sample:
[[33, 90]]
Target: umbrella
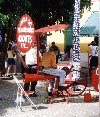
[[51, 28], [48, 29]]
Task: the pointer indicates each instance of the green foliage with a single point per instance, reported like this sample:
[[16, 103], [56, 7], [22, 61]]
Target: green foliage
[[43, 12], [85, 4], [3, 20]]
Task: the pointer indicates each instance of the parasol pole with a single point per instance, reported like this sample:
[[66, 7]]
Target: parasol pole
[[37, 34], [76, 41], [99, 62]]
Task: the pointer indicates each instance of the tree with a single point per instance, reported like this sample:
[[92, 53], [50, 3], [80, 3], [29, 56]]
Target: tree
[[43, 12]]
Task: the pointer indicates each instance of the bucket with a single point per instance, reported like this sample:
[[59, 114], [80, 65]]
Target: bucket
[[87, 97]]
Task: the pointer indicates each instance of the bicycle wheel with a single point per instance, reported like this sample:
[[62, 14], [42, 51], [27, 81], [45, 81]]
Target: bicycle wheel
[[76, 88]]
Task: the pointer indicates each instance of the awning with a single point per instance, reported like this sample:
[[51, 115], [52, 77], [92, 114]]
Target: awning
[[51, 28], [91, 26]]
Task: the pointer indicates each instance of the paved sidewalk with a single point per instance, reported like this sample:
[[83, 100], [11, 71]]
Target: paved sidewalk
[[75, 108]]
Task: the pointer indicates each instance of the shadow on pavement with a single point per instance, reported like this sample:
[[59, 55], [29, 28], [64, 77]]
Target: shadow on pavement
[[8, 89]]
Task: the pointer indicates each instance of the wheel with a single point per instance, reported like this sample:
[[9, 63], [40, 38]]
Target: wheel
[[76, 88], [75, 92], [11, 77]]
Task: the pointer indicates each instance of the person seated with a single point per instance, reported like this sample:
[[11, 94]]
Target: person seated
[[56, 50], [64, 56], [49, 66]]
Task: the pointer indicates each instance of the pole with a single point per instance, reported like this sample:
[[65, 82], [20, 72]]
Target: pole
[[99, 63], [76, 41], [37, 53]]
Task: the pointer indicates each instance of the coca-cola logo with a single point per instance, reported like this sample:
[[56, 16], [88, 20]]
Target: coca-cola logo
[[25, 35]]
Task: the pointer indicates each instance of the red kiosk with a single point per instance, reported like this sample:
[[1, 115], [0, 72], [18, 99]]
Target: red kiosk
[[26, 35], [39, 76]]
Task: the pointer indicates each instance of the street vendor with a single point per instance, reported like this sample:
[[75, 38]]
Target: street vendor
[[49, 66]]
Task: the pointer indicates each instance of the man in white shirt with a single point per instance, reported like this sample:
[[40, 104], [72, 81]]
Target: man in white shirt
[[31, 62], [94, 54], [31, 56], [30, 65]]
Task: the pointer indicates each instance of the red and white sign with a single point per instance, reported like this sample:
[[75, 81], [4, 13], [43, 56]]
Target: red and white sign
[[25, 35], [95, 79]]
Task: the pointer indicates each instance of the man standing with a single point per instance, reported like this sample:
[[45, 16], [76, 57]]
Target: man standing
[[94, 54], [31, 62], [56, 51]]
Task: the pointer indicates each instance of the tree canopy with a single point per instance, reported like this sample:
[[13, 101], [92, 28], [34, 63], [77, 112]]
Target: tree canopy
[[43, 12]]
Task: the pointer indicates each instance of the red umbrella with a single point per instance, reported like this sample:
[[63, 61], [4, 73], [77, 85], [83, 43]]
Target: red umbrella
[[48, 29], [52, 28]]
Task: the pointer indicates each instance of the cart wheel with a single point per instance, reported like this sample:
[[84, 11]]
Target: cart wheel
[[11, 76], [75, 90]]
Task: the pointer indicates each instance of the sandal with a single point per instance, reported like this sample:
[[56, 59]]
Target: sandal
[[8, 75], [49, 100]]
